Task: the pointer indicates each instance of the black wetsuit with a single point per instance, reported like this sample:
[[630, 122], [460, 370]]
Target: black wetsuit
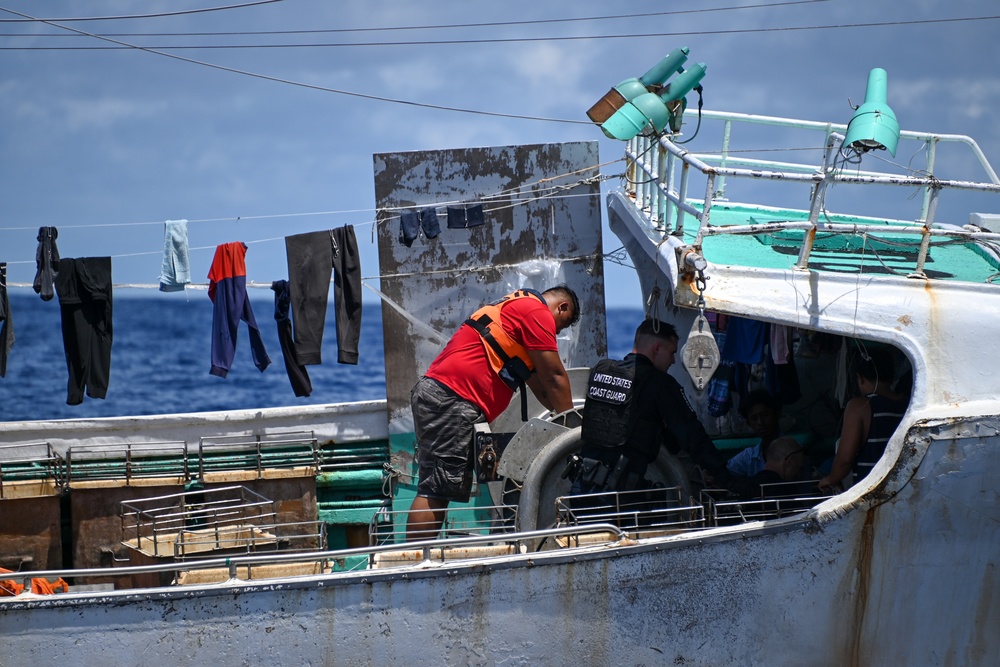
[[312, 257], [85, 300]]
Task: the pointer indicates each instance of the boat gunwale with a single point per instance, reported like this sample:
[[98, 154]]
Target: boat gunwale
[[804, 521]]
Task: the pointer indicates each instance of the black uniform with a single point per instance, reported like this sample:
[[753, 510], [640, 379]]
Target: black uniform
[[632, 410]]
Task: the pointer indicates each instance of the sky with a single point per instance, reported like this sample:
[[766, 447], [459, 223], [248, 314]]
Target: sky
[[254, 143]]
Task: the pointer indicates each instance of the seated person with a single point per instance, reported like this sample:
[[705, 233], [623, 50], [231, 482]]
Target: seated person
[[762, 412], [785, 460], [869, 419], [633, 407]]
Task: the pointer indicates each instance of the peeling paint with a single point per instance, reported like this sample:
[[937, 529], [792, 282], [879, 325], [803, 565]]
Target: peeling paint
[[526, 242]]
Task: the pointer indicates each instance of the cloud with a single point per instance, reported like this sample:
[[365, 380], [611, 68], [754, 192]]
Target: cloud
[[103, 113]]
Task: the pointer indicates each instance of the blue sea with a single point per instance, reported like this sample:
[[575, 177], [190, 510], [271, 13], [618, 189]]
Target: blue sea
[[161, 356]]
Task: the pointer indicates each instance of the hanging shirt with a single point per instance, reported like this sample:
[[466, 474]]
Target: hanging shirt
[[175, 271], [227, 288]]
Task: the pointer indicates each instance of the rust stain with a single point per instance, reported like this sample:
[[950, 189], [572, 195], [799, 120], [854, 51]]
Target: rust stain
[[985, 611], [905, 320], [864, 570]]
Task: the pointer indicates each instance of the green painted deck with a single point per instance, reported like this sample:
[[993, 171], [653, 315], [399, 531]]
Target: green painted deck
[[876, 253]]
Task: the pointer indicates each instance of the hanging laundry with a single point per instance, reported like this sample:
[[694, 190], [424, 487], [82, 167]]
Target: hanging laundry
[[175, 272], [429, 222], [227, 288], [85, 302], [47, 260], [463, 217], [411, 222], [6, 323], [745, 340], [781, 344], [312, 257], [297, 374], [409, 227]]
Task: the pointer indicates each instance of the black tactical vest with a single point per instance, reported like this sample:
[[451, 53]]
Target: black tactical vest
[[607, 411]]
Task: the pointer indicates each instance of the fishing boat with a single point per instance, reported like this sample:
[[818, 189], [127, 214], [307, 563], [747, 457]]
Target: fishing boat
[[276, 535]]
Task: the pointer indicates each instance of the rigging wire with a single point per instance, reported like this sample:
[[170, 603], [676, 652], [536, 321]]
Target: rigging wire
[[549, 193], [540, 195], [142, 16], [416, 27], [233, 70], [451, 42]]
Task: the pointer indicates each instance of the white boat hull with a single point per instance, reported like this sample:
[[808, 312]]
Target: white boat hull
[[834, 588]]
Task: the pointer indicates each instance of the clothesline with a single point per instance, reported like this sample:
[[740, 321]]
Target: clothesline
[[239, 218], [276, 238], [279, 238], [267, 285]]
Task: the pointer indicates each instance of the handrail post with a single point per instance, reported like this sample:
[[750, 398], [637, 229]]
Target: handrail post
[[925, 237], [817, 204], [664, 204], [928, 194], [727, 129], [682, 196], [706, 211], [631, 147], [650, 186]]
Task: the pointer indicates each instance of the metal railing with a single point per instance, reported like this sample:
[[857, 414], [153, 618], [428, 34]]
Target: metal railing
[[295, 449], [429, 550], [776, 501], [29, 462], [178, 524], [388, 526], [127, 461], [285, 536], [661, 196], [639, 513], [665, 511]]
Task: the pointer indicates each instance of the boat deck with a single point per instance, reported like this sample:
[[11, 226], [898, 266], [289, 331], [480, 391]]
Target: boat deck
[[768, 238]]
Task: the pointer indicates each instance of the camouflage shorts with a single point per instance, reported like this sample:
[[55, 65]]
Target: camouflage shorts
[[444, 424]]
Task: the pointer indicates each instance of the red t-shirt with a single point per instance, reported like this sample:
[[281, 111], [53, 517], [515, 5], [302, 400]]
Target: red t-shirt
[[463, 366]]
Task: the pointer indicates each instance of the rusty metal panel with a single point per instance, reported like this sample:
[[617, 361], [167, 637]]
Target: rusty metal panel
[[542, 210]]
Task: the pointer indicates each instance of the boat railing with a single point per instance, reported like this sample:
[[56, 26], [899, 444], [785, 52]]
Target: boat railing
[[389, 526], [775, 502], [274, 564], [258, 452], [661, 196], [127, 461], [666, 511], [643, 513], [355, 456], [29, 462], [234, 535], [130, 461], [175, 524]]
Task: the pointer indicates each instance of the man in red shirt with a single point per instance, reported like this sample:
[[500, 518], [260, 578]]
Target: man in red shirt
[[502, 346]]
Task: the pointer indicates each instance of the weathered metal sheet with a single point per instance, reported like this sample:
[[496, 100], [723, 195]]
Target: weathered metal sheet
[[542, 227]]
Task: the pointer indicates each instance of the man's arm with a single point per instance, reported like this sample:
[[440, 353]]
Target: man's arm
[[550, 382], [853, 434], [683, 424]]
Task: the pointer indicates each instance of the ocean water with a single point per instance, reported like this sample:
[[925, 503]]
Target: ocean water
[[161, 356]]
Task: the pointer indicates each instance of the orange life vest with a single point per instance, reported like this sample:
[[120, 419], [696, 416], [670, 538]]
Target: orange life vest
[[508, 358]]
